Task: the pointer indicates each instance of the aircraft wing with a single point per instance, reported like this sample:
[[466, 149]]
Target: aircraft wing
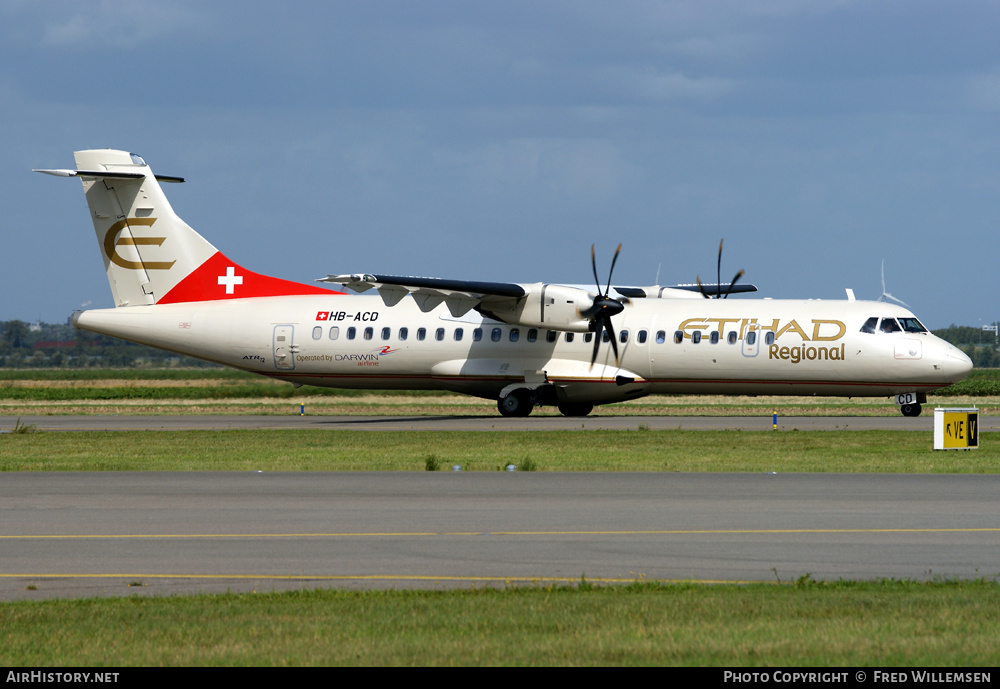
[[501, 299], [459, 295], [670, 291]]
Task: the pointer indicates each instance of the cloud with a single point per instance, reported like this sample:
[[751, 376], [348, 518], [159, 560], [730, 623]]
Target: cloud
[[653, 84], [115, 23]]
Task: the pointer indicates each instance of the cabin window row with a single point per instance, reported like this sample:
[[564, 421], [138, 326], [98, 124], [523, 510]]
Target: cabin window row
[[530, 335], [458, 334], [715, 337]]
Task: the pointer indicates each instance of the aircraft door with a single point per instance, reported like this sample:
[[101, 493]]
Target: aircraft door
[[751, 340], [284, 358]]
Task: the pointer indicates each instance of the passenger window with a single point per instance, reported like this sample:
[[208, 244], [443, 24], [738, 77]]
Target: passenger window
[[731, 337], [477, 334], [870, 325], [569, 337], [421, 333], [532, 335], [623, 336], [642, 337], [369, 332], [334, 333], [588, 337], [458, 334], [714, 337], [769, 337], [606, 336], [696, 337], [678, 336], [515, 334], [661, 337], [551, 335], [317, 332], [386, 332], [495, 335], [403, 332], [439, 334], [752, 337], [351, 332]]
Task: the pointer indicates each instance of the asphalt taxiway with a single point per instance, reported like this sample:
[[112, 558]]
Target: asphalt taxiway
[[122, 533]]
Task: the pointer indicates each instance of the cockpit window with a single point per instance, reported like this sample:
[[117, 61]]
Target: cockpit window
[[912, 325], [889, 325], [870, 325]]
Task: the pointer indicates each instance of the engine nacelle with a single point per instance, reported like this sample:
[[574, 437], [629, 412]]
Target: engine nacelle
[[555, 307]]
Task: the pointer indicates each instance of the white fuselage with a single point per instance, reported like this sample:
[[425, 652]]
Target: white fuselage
[[818, 347]]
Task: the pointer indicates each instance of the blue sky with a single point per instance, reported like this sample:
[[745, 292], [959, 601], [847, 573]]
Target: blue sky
[[498, 141]]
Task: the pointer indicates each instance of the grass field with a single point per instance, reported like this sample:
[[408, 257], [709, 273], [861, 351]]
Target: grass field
[[805, 623], [312, 450]]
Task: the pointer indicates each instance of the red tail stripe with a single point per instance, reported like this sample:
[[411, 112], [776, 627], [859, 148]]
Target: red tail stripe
[[220, 278]]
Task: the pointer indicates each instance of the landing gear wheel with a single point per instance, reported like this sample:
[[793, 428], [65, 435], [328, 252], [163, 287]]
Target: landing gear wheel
[[911, 409], [577, 409], [517, 403]]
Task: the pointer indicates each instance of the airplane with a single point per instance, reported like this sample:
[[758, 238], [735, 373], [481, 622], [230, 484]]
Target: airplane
[[523, 345]]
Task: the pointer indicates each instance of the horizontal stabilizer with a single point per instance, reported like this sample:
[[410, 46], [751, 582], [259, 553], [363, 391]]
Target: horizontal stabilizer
[[96, 174]]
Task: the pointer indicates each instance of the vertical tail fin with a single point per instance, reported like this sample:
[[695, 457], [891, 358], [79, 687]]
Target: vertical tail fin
[[147, 249], [150, 254]]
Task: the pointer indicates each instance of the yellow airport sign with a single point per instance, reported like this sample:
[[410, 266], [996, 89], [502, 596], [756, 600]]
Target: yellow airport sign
[[956, 429]]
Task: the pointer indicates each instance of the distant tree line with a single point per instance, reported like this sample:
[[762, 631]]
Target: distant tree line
[[46, 345], [980, 345]]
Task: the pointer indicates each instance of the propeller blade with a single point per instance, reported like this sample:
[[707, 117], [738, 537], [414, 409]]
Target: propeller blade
[[718, 279], [593, 264], [700, 288], [718, 274], [614, 340], [607, 291], [597, 341], [731, 284]]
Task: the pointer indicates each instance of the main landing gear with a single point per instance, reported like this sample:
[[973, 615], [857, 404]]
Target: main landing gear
[[911, 409], [516, 403], [577, 409], [519, 403]]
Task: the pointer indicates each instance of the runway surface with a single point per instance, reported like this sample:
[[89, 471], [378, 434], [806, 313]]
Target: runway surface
[[480, 423], [109, 534]]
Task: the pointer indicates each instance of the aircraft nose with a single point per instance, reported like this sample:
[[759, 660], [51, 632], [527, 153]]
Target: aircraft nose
[[955, 364]]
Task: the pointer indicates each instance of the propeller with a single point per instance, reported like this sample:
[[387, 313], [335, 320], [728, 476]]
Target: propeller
[[718, 280], [886, 295], [603, 308]]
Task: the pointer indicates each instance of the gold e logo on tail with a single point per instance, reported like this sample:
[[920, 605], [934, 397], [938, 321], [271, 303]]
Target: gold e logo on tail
[[111, 246]]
